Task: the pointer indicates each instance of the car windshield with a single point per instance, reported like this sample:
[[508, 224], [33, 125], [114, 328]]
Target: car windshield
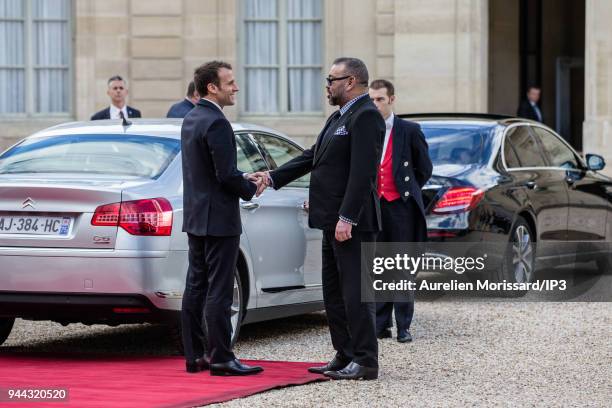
[[115, 155], [458, 143]]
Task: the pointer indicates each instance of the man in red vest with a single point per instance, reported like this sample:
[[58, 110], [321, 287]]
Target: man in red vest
[[405, 167]]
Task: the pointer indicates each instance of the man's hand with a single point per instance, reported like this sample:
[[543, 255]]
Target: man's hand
[[261, 179], [343, 231]]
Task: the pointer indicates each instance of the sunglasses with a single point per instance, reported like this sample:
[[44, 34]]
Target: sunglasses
[[331, 79]]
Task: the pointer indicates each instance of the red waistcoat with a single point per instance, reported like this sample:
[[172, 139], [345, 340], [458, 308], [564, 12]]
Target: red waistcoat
[[386, 183]]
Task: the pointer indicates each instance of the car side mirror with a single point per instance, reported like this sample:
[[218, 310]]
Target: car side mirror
[[595, 162]]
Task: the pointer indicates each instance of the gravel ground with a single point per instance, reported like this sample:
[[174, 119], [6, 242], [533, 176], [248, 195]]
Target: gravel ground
[[464, 354]]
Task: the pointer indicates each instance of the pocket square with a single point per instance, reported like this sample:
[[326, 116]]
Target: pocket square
[[341, 131]]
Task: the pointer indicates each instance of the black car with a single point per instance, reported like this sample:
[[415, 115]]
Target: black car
[[500, 179]]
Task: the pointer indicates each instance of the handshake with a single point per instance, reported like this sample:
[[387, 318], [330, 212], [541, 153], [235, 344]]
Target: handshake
[[261, 179]]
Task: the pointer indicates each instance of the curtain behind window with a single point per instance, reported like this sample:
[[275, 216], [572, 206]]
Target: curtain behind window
[[50, 38], [301, 24], [305, 87], [12, 58], [262, 60], [49, 60]]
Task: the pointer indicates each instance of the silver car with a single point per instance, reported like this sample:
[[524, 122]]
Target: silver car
[[90, 228]]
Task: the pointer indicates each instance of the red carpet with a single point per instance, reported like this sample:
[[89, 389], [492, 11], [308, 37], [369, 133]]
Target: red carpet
[[122, 381]]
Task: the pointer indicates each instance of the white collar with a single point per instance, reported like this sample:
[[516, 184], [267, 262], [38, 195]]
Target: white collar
[[389, 121], [114, 111]]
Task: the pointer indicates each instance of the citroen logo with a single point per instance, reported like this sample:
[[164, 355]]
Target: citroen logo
[[28, 203]]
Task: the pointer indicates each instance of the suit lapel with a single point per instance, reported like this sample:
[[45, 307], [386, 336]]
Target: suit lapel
[[399, 138], [327, 138], [322, 133], [332, 127]]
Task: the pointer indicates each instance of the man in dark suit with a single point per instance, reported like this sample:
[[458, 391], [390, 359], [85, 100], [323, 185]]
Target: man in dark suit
[[182, 108], [212, 186], [529, 108], [343, 203], [405, 167], [118, 109]]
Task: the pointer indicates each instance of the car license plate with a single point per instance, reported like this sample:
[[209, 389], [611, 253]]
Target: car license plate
[[35, 225]]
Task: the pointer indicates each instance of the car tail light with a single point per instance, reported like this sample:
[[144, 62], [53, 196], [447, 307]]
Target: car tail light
[[152, 217], [458, 199]]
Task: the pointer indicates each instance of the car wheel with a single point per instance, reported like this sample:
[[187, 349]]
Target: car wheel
[[238, 307], [519, 263], [6, 325]]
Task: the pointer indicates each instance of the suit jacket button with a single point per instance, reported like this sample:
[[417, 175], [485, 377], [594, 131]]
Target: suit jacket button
[[406, 178], [406, 193], [405, 164]]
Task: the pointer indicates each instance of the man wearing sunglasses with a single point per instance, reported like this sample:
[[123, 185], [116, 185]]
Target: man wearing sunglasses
[[344, 204]]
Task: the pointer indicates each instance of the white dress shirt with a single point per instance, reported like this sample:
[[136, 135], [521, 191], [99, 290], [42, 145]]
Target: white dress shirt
[[388, 127], [114, 112]]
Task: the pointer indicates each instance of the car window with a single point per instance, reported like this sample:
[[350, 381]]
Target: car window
[[278, 152], [249, 158], [458, 143], [510, 156], [526, 147], [559, 155], [120, 155]]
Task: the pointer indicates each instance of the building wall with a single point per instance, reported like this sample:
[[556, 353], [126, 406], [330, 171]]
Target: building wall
[[598, 79], [441, 55], [504, 57], [437, 53]]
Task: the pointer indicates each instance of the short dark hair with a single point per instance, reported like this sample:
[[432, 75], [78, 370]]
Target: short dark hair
[[533, 86], [208, 74], [354, 67], [191, 89], [115, 78], [383, 83]]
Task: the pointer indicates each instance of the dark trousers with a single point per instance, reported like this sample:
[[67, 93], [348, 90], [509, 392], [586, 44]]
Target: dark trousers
[[398, 225], [351, 322], [208, 296]]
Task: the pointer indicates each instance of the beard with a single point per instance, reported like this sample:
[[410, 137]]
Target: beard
[[334, 100]]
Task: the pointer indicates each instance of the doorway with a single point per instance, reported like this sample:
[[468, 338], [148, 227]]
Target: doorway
[[539, 42]]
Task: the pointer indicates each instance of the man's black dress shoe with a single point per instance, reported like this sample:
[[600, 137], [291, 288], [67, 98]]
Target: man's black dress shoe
[[200, 364], [384, 334], [233, 367], [334, 365], [404, 337], [354, 371]]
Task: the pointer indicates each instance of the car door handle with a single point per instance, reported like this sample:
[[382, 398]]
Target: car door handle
[[531, 185], [249, 205]]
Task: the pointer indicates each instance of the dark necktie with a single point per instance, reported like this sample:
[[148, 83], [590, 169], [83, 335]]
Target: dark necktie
[[121, 116]]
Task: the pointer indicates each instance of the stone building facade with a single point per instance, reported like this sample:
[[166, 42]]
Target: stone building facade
[[443, 55]]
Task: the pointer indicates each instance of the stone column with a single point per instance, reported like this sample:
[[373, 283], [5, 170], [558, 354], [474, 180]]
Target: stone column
[[597, 136], [441, 55]]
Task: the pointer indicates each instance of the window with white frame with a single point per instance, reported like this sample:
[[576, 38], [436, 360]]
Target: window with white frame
[[283, 48], [35, 53]]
